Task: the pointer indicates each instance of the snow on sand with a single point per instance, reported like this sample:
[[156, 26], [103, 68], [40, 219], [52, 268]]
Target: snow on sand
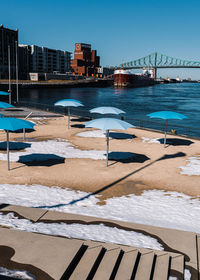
[[154, 207]]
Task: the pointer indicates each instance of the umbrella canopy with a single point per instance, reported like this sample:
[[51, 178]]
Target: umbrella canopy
[[4, 93], [167, 115], [107, 124], [12, 124], [107, 110], [4, 105], [68, 103]]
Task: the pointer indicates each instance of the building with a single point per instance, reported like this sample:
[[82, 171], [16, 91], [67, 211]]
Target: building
[[8, 37], [35, 59], [85, 60], [45, 60], [24, 55], [105, 71]]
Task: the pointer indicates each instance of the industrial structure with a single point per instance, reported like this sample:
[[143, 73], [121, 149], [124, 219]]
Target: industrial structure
[[8, 44], [157, 61], [85, 60]]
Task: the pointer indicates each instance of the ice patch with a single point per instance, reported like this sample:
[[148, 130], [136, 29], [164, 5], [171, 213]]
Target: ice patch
[[154, 207], [192, 167], [54, 148], [16, 274], [150, 140], [92, 134], [92, 232]]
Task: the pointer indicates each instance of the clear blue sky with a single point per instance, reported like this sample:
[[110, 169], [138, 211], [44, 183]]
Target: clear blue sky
[[120, 30]]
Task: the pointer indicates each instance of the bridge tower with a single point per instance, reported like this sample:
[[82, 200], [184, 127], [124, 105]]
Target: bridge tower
[[155, 73]]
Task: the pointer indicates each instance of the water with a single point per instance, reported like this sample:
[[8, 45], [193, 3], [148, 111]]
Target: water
[[136, 102]]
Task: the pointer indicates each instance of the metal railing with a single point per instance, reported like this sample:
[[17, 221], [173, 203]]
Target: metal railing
[[159, 125]]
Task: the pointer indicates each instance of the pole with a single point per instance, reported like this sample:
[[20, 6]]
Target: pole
[[68, 117], [8, 156], [16, 46], [10, 98], [107, 140], [165, 134]]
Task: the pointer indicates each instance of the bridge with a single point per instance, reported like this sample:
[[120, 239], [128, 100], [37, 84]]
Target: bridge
[[157, 60]]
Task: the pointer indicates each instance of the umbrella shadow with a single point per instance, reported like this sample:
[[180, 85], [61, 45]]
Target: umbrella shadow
[[119, 135], [127, 157], [27, 130], [176, 142], [164, 157], [81, 119], [41, 160], [14, 146], [78, 125]]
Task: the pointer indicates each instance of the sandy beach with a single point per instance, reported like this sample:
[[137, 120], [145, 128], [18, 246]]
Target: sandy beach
[[150, 166]]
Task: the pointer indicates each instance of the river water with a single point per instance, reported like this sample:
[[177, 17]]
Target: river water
[[136, 102]]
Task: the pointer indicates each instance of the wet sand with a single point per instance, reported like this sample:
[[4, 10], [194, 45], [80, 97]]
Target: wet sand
[[152, 167]]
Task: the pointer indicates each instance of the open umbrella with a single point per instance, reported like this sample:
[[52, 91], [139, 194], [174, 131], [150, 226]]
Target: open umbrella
[[4, 105], [68, 103], [107, 124], [4, 93], [167, 115], [107, 110], [12, 124]]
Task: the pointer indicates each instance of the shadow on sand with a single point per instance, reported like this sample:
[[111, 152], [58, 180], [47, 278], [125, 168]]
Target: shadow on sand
[[41, 159], [14, 146], [164, 157], [176, 142], [127, 157]]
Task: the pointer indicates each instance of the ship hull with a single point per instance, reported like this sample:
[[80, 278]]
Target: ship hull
[[124, 79]]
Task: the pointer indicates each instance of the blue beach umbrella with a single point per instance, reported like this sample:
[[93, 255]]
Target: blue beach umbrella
[[4, 93], [107, 110], [68, 103], [12, 124], [4, 105], [167, 115], [107, 124]]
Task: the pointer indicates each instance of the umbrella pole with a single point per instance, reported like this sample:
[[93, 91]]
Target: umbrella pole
[[107, 140], [165, 134], [8, 156], [68, 117]]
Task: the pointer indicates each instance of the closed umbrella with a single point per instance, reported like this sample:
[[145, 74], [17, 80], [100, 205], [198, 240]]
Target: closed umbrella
[[12, 124], [167, 115], [107, 124], [68, 103], [107, 110]]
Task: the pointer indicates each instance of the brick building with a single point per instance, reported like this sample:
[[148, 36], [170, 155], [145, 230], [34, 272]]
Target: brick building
[[85, 60], [8, 37]]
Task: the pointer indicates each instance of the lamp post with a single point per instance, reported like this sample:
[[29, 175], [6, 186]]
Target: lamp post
[[16, 47], [10, 98]]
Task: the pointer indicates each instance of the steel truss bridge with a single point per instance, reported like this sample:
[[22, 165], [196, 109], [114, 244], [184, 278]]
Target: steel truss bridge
[[159, 61]]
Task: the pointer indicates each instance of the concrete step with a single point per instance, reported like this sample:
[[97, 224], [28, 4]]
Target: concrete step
[[144, 266], [177, 266], [86, 263], [161, 267], [126, 266], [107, 265]]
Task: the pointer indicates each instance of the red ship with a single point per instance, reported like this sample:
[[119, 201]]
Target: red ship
[[124, 78]]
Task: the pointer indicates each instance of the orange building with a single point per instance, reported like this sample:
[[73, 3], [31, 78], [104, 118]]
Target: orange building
[[85, 60]]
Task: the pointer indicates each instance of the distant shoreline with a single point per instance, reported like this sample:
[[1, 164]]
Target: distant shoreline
[[57, 84]]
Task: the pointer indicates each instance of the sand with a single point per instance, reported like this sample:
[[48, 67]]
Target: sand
[[153, 167]]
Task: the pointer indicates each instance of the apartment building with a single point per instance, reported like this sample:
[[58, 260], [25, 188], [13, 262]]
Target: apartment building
[[8, 37]]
